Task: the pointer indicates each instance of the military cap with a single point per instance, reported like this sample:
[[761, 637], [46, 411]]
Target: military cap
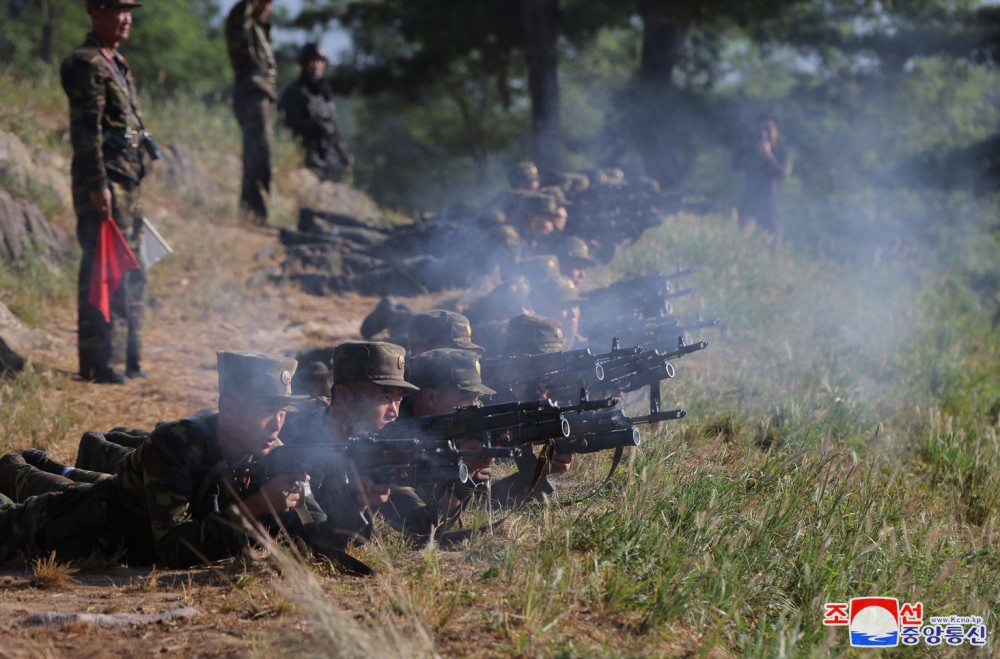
[[507, 299], [522, 172], [440, 329], [257, 375], [448, 368], [95, 5], [370, 361], [311, 52], [573, 248], [533, 335]]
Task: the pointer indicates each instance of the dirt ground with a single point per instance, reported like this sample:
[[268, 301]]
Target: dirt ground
[[236, 616]]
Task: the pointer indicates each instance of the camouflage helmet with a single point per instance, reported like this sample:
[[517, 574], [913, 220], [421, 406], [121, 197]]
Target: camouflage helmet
[[532, 335], [377, 362], [96, 5], [449, 368], [440, 329], [244, 374], [521, 173]]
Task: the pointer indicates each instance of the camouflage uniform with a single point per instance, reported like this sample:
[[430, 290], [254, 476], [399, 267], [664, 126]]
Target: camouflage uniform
[[175, 499], [249, 43], [105, 132], [311, 115], [353, 361], [418, 512], [527, 335]]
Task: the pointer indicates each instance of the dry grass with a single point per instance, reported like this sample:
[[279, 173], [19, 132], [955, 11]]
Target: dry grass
[[49, 574]]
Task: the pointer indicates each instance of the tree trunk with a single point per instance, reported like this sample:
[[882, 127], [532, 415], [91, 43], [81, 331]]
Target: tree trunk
[[652, 106], [48, 20], [662, 37], [540, 34]]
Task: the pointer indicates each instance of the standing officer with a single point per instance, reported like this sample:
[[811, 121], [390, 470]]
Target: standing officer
[[248, 38], [311, 115], [107, 169]]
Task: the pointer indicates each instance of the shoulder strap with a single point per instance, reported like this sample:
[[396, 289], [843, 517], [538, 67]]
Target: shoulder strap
[[121, 81]]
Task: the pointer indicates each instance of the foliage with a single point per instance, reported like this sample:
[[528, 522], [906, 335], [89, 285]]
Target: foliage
[[173, 45]]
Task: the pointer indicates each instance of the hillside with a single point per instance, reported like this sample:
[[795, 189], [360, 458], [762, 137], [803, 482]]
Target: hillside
[[841, 441]]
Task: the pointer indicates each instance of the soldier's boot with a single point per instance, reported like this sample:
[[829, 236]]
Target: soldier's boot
[[41, 460], [20, 480]]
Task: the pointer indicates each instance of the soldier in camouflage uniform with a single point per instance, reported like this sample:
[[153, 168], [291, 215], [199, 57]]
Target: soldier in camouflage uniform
[[248, 39], [107, 169], [185, 495], [448, 378], [529, 334], [368, 386], [311, 115]]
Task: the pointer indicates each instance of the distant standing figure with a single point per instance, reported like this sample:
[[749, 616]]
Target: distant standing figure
[[767, 165], [108, 166], [311, 115], [248, 38]]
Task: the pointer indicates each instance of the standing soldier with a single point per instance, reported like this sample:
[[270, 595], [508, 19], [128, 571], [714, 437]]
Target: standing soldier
[[767, 165], [311, 115], [248, 38], [108, 166]]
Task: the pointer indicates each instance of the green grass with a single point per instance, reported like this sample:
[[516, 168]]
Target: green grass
[[841, 441], [36, 283]]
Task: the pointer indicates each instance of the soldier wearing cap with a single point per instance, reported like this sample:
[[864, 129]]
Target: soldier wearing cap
[[448, 378], [558, 297], [523, 176], [108, 166], [248, 40], [574, 258], [536, 218], [311, 115], [368, 386], [183, 496], [529, 334], [438, 328]]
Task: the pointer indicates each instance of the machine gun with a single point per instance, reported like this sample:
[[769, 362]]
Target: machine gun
[[645, 296], [406, 461], [526, 422], [573, 369], [647, 332]]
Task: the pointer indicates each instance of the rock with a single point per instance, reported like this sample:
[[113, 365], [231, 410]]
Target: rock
[[22, 222], [17, 339], [186, 175], [53, 618], [336, 198], [38, 171]]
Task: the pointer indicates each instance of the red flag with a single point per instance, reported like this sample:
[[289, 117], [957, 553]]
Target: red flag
[[113, 259]]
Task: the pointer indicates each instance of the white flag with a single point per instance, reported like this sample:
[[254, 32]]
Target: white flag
[[152, 247]]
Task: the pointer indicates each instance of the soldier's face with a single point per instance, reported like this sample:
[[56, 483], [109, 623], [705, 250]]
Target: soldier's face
[[111, 25], [559, 221], [316, 68], [252, 423], [365, 407]]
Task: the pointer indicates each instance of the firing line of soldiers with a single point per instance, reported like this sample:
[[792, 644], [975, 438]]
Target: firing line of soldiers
[[405, 436]]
